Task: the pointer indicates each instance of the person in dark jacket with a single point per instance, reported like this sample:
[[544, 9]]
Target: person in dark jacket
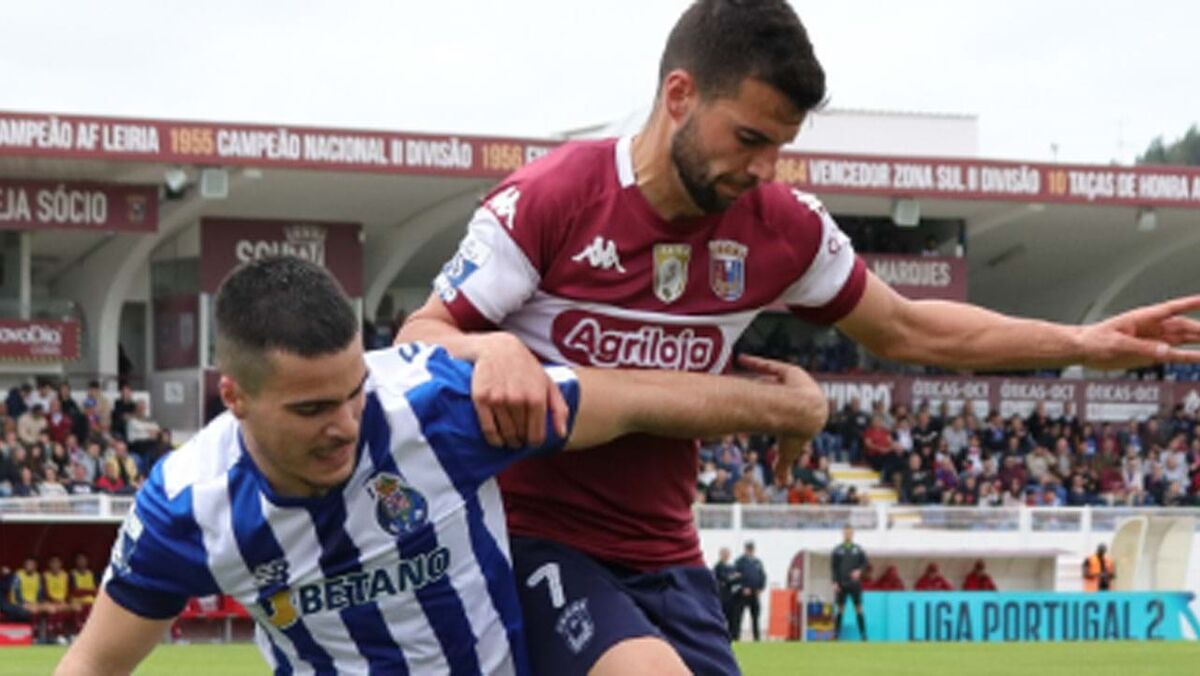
[[847, 564], [729, 585], [753, 580]]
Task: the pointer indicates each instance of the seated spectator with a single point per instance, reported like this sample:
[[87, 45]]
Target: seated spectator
[[42, 396], [10, 610], [1175, 468], [1013, 471], [80, 483], [916, 486], [730, 458], [122, 408], [889, 581], [802, 494], [866, 578], [956, 436], [990, 494], [748, 491], [945, 476], [15, 403], [877, 443], [92, 461], [720, 491], [112, 483], [126, 463], [83, 587], [59, 459], [71, 409], [26, 486], [27, 591], [141, 433], [778, 491], [707, 473], [932, 580], [58, 424], [1077, 494], [31, 424], [57, 594], [50, 486], [969, 490], [978, 579], [1014, 495], [755, 469], [1175, 496]]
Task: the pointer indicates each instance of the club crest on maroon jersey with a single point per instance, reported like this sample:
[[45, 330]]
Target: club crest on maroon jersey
[[727, 268], [671, 270]]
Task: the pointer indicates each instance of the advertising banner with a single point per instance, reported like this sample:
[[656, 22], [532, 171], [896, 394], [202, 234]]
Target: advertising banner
[[920, 277], [1018, 616], [226, 243], [43, 205], [1092, 400], [38, 340]]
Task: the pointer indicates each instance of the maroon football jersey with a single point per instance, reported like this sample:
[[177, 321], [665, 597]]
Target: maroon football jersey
[[568, 255]]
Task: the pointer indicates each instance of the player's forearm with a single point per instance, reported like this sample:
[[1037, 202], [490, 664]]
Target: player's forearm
[[438, 331], [691, 405], [961, 336]]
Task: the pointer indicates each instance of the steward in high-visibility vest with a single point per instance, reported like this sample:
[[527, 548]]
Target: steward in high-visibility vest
[[1098, 571]]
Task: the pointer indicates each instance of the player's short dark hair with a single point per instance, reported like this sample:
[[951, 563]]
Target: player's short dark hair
[[722, 42], [286, 304]]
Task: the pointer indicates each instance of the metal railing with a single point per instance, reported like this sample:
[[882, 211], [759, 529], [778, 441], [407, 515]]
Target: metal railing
[[113, 508], [69, 508]]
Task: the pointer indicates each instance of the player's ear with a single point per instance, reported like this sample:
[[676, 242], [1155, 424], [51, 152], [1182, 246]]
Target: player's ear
[[679, 95], [233, 396]]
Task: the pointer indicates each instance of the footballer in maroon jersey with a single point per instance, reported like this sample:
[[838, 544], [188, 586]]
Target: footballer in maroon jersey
[[657, 251]]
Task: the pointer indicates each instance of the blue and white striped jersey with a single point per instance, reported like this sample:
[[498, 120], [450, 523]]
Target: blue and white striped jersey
[[403, 569]]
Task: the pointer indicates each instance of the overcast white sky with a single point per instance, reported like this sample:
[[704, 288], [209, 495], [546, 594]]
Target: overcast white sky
[[1099, 78]]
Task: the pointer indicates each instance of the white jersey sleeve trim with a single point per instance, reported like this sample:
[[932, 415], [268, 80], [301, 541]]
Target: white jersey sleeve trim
[[831, 266], [490, 269]]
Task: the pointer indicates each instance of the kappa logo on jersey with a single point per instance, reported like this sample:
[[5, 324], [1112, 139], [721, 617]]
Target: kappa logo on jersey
[[575, 625], [601, 253], [727, 268], [609, 342], [284, 607], [504, 205], [671, 270], [399, 508]]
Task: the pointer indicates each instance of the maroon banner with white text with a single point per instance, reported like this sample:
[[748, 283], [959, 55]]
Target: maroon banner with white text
[[226, 243], [38, 205], [38, 340], [229, 144], [936, 277], [1093, 400]]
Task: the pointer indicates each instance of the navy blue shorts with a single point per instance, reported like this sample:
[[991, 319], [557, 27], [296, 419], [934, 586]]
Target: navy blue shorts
[[576, 608]]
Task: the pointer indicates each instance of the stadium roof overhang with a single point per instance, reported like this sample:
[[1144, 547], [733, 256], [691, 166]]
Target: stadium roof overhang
[[1051, 241]]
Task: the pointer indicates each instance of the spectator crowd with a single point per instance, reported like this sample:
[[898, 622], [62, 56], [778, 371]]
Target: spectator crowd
[[53, 443], [951, 457], [739, 469]]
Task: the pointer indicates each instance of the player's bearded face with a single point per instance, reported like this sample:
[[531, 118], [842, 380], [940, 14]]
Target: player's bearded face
[[693, 165]]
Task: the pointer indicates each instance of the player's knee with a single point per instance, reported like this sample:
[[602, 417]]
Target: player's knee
[[648, 656]]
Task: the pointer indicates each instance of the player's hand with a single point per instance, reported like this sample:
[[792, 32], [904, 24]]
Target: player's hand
[[1144, 336], [854, 575], [790, 450], [836, 587], [512, 393], [815, 406]]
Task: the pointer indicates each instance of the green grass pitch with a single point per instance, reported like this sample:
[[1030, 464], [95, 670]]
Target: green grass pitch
[[765, 659]]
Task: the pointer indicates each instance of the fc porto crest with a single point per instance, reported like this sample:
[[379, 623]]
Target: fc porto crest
[[727, 268], [399, 508], [671, 270]]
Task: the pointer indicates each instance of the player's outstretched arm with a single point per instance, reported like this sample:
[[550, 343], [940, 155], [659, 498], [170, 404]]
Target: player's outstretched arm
[[613, 403], [112, 642], [510, 389], [963, 336]]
